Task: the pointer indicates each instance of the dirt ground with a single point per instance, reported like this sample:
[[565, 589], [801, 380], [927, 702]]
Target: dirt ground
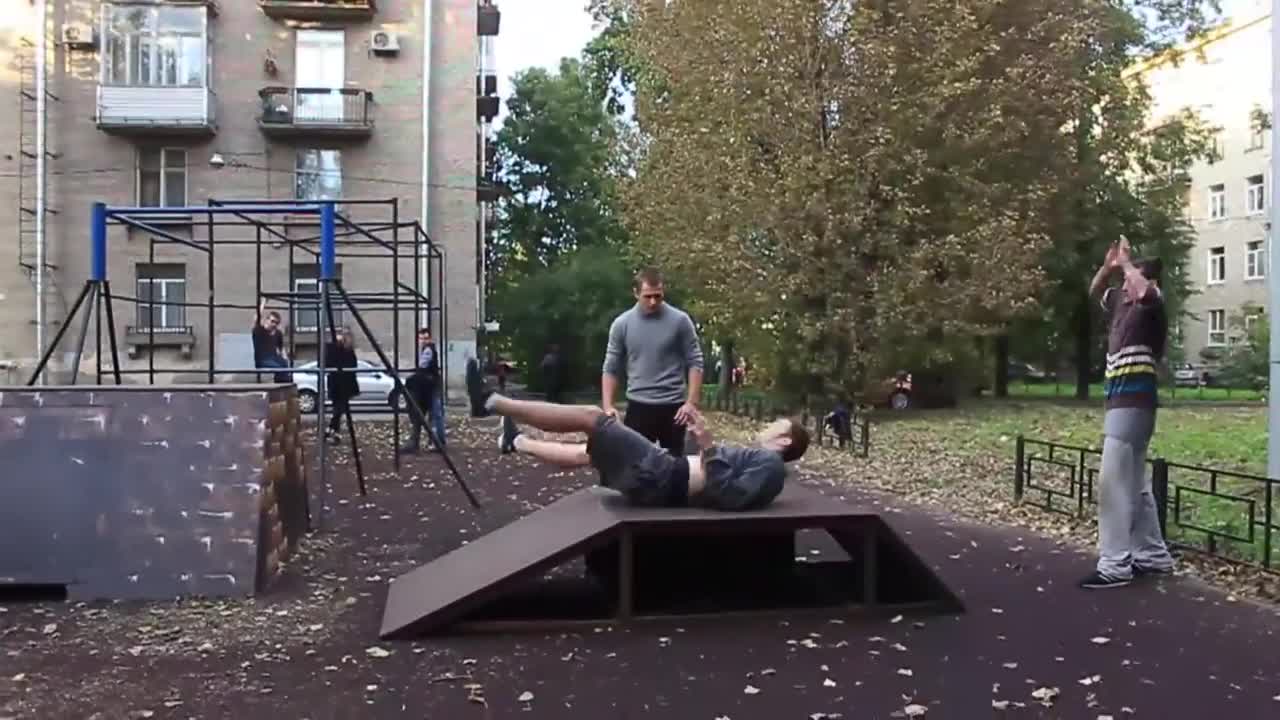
[[1029, 644]]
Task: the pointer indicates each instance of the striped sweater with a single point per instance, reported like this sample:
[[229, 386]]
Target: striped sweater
[[1135, 344]]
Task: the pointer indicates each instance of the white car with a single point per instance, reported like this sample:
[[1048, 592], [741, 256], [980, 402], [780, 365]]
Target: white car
[[376, 388]]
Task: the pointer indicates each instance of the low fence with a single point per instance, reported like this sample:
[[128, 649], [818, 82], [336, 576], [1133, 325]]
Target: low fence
[[856, 438], [1224, 514]]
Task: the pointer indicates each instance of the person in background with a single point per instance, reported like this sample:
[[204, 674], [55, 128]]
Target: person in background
[[343, 384], [551, 373], [268, 342], [424, 388]]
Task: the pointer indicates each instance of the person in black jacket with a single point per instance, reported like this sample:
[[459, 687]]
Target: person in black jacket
[[424, 388], [343, 384]]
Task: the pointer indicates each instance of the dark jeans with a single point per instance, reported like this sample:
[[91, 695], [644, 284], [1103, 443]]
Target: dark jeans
[[341, 406], [657, 423], [276, 361]]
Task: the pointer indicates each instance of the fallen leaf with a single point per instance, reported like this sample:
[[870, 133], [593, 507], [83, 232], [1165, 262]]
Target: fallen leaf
[[751, 690], [828, 683], [914, 710], [768, 671], [377, 652], [905, 671], [1090, 680], [896, 619], [1011, 666], [19, 677], [1000, 704], [1100, 640], [1045, 695], [50, 629], [525, 697]]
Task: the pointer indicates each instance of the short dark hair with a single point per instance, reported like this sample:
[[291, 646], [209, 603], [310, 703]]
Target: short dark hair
[[1151, 268], [799, 440], [273, 315], [647, 276], [425, 330]]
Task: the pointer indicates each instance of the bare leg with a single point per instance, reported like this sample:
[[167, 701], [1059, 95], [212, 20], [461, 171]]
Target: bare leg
[[546, 416], [569, 455]]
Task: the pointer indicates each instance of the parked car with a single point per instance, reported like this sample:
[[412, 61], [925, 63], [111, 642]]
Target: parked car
[[376, 389], [908, 390], [1027, 373]]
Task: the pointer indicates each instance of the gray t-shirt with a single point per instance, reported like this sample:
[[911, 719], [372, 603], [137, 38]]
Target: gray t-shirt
[[654, 353], [741, 478]]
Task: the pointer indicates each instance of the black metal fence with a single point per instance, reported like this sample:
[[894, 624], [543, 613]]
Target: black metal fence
[[1221, 513], [852, 433]]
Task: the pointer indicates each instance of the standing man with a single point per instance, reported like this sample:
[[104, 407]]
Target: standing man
[[424, 388], [657, 347], [1129, 537], [340, 357]]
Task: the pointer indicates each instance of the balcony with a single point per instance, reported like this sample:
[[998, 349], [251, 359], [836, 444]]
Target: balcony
[[488, 19], [144, 110], [316, 112], [487, 108], [141, 337], [320, 10]]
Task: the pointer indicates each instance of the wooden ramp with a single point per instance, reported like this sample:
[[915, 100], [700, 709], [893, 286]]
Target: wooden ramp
[[642, 559]]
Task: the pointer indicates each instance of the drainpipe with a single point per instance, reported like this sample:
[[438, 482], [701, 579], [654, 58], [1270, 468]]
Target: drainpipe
[[42, 16], [423, 263], [1273, 276]]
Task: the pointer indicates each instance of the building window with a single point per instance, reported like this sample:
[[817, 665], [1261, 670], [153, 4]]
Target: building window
[[1217, 327], [1217, 202], [1217, 264], [154, 46], [162, 177], [161, 283], [1256, 196], [306, 310], [1255, 263], [318, 175]]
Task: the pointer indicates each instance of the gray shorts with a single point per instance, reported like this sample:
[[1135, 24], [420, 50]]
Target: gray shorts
[[643, 472]]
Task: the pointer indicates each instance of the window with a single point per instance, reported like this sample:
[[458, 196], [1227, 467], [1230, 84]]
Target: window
[[1217, 327], [154, 46], [161, 283], [306, 310], [162, 177], [1255, 264], [1217, 264], [1256, 197], [1217, 202], [319, 175]]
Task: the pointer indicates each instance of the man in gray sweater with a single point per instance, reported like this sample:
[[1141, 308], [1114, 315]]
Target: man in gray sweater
[[656, 345]]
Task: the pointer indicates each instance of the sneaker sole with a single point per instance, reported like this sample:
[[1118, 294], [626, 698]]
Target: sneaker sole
[[1106, 586]]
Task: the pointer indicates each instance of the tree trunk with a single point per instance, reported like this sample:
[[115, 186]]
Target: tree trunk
[[1002, 366], [1084, 346], [726, 366]]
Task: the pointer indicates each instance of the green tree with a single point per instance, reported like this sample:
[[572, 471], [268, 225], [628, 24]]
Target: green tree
[[1125, 177], [1248, 361], [846, 185], [556, 154]]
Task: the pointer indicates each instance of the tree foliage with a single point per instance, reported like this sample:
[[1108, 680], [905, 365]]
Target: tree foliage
[[556, 154], [853, 183]]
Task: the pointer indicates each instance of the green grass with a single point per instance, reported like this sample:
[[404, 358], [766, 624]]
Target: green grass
[[1168, 393]]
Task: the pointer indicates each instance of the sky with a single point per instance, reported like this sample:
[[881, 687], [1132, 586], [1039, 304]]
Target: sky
[[537, 33]]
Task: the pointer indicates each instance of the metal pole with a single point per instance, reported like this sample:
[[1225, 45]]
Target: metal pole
[[428, 29], [1273, 404], [42, 48]]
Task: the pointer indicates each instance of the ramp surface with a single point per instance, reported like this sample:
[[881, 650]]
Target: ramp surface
[[597, 523]]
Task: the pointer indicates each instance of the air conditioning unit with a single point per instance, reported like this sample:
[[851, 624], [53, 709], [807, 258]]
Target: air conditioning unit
[[384, 43], [78, 35]]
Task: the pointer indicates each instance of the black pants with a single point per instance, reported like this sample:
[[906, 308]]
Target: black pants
[[657, 423], [341, 406]]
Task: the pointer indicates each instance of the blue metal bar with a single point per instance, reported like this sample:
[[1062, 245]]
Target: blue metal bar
[[161, 233], [217, 210], [98, 243], [328, 266], [356, 229]]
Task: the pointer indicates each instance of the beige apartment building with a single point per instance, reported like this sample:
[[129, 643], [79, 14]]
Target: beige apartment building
[[382, 106], [1226, 77]]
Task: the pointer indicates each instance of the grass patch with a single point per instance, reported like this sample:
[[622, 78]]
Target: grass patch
[[1168, 393]]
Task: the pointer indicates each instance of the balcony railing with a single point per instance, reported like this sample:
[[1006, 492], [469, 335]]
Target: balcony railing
[[155, 110], [323, 10], [316, 111]]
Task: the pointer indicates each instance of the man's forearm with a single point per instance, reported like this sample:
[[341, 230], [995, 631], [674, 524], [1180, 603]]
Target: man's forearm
[[1100, 279], [608, 389], [695, 386]]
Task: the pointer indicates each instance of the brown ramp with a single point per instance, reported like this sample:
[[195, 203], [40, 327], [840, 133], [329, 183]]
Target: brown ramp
[[475, 573]]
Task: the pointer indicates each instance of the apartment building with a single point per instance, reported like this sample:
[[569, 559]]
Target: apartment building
[[1226, 77], [173, 103]]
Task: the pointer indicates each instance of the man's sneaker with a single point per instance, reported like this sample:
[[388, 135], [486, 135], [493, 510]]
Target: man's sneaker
[[1139, 570], [477, 392], [1098, 581], [507, 438]]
